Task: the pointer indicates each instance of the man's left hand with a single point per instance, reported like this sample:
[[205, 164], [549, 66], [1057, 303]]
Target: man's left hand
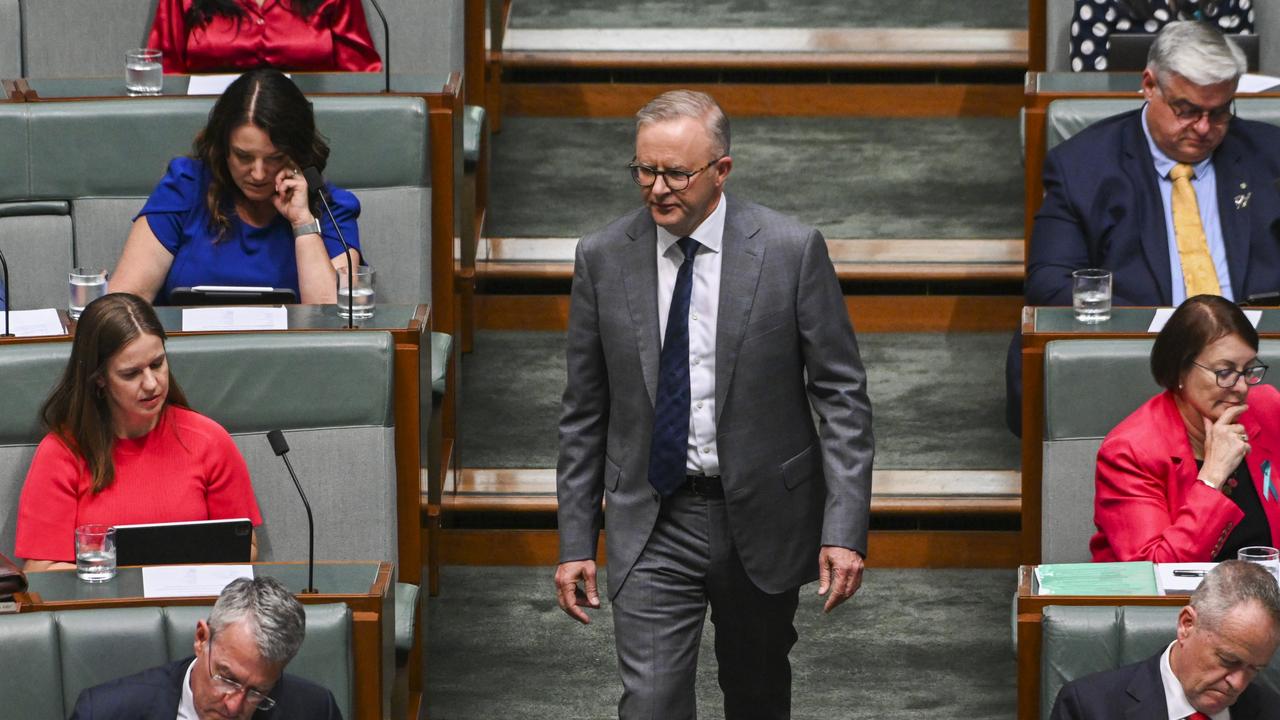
[[840, 572]]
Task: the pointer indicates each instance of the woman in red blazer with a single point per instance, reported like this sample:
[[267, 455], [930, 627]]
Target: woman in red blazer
[[201, 36], [1191, 475]]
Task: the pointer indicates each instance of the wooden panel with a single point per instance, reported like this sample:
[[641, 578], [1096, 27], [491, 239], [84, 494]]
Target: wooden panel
[[889, 548], [722, 61], [870, 313], [771, 100]]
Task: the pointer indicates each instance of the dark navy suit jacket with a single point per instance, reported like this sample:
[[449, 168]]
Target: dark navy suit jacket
[[1135, 692], [1102, 208], [154, 695]]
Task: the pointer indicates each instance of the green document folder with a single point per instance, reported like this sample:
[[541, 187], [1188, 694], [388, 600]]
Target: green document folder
[[1121, 578]]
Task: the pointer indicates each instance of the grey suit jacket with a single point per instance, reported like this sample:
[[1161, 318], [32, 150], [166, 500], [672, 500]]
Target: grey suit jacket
[[784, 343]]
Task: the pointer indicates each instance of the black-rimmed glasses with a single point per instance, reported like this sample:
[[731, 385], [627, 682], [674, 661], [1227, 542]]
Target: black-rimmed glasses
[[1189, 114], [226, 687], [1227, 377], [675, 180]]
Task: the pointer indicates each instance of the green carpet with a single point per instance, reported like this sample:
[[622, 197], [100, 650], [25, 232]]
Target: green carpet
[[937, 400], [849, 177], [767, 13], [919, 644]]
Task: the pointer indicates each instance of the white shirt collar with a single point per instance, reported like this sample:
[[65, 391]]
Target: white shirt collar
[[187, 707], [1175, 698], [710, 233]]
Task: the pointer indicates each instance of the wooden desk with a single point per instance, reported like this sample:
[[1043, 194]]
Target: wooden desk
[[365, 587], [1030, 612]]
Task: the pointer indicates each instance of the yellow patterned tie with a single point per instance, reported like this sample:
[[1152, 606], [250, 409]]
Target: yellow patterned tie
[[1193, 249]]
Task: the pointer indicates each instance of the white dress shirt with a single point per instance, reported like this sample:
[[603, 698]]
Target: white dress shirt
[[187, 708], [1175, 698], [702, 457]]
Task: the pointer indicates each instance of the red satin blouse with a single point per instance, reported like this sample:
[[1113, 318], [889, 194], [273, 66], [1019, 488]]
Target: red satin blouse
[[334, 38]]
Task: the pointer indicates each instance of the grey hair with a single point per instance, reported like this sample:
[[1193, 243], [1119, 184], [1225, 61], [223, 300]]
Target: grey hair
[[1198, 52], [1234, 582], [273, 614], [677, 104]]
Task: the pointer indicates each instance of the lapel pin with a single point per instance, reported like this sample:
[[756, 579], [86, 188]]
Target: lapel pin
[[1242, 201], [1268, 486]]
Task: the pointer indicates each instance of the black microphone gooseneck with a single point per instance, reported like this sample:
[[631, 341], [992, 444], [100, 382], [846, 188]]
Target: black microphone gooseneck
[[386, 45], [315, 185], [280, 447], [8, 299]]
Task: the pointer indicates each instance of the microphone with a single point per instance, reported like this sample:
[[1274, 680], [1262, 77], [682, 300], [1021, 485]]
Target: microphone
[[280, 447], [386, 45], [315, 188], [8, 329]]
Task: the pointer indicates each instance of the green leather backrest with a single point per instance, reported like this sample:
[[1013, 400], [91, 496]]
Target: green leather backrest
[[10, 39], [1065, 118], [1079, 640], [50, 657]]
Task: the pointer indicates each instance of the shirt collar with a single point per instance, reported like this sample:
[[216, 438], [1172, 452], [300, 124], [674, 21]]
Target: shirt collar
[[187, 706], [1163, 162], [709, 234], [1175, 698]]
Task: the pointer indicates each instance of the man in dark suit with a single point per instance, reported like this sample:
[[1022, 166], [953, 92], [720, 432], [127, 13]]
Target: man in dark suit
[[702, 331], [258, 626], [1226, 635], [1176, 199]]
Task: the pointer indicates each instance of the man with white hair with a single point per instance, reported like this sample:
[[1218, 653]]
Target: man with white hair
[[1176, 199], [1226, 635], [254, 630]]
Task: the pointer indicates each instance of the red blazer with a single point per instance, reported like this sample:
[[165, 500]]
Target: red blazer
[[1148, 503], [334, 38]]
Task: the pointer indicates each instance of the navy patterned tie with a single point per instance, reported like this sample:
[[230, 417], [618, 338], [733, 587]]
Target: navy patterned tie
[[670, 443]]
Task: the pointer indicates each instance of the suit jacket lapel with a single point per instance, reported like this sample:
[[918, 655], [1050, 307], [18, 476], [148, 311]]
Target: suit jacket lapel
[[1140, 167], [743, 250], [640, 275], [1146, 693], [1230, 177]]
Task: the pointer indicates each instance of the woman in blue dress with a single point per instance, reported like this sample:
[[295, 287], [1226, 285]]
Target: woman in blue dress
[[236, 212]]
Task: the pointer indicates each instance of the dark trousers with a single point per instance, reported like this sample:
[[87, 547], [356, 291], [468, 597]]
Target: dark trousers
[[658, 615]]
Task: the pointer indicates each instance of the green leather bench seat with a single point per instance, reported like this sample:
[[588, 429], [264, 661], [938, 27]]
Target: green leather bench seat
[[441, 347], [1065, 118], [1089, 387], [473, 120], [102, 158], [49, 657], [1077, 641], [10, 39]]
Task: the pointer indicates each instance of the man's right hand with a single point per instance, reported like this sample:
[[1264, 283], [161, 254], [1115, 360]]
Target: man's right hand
[[573, 598]]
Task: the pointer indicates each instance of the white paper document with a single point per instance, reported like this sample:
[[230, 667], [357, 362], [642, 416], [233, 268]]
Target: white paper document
[[159, 581], [1163, 315], [234, 318], [1254, 83], [33, 323], [1181, 578], [209, 84]]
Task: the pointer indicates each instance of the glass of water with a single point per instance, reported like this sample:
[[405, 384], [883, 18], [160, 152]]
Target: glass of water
[[1091, 295], [95, 553], [85, 286], [1267, 557], [363, 299], [143, 73]]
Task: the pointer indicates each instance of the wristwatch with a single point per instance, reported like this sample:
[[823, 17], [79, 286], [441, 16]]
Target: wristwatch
[[311, 228]]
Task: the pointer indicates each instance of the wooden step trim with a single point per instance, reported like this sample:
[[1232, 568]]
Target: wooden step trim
[[885, 548], [894, 492]]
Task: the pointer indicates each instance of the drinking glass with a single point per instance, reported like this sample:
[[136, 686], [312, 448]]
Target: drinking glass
[[85, 285], [143, 72], [363, 300], [1091, 295], [95, 553], [1267, 557]]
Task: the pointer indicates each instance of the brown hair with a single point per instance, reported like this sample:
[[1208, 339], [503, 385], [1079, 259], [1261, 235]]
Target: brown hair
[[269, 101], [1197, 323], [77, 411]]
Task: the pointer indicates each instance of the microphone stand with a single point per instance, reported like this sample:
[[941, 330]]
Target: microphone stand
[[280, 447], [8, 294], [386, 45], [315, 183]]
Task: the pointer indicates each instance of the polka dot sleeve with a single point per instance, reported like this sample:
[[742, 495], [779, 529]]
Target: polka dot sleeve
[[1094, 21]]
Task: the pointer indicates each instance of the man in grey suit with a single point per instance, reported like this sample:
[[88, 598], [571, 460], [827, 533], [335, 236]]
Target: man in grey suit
[[702, 331]]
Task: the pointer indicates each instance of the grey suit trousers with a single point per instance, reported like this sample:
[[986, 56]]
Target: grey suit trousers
[[688, 562]]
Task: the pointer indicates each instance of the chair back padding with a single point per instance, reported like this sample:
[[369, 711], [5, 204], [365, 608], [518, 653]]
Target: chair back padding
[[1057, 41], [1080, 640], [1117, 377], [73, 38], [331, 394], [73, 154], [50, 657], [10, 39], [1065, 118]]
